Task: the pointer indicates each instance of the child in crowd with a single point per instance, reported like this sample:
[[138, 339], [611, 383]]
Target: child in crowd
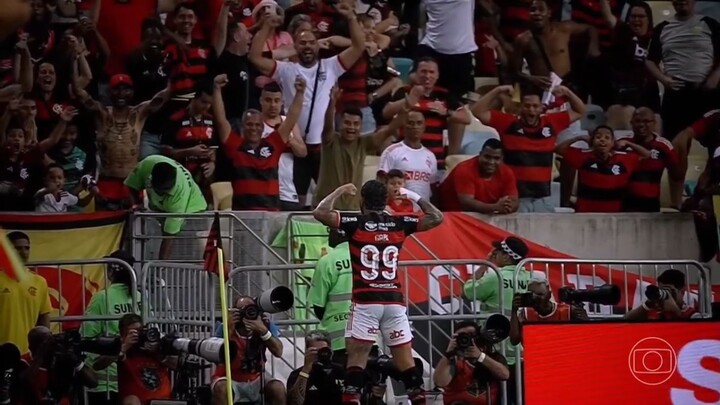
[[72, 159], [54, 198], [398, 203]]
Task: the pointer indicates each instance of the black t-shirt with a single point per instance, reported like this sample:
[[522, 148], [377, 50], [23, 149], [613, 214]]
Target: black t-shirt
[[235, 93], [628, 56], [149, 78], [323, 386]]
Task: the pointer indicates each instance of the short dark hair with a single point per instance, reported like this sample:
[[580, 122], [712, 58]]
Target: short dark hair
[[465, 324], [18, 235], [163, 173], [272, 87], [352, 111], [188, 5], [530, 90], [599, 127], [53, 166], [492, 143], [424, 59], [204, 86], [395, 174], [674, 277], [149, 23], [374, 195], [127, 320]]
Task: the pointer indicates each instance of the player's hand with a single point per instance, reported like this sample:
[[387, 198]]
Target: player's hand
[[413, 97], [311, 356], [438, 107], [561, 91], [68, 113], [335, 93], [233, 317], [621, 144], [255, 325], [348, 189], [505, 89], [208, 169], [472, 352]]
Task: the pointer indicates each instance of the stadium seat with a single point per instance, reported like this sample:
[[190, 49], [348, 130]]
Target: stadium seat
[[404, 66], [594, 117], [452, 160], [222, 193]]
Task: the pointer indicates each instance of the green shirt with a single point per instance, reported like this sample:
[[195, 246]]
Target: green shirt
[[331, 289], [486, 290], [184, 198], [114, 300]]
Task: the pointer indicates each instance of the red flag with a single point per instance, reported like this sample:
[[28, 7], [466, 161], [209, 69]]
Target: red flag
[[212, 245]]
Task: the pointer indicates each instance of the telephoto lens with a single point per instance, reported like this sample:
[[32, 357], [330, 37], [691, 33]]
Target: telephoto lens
[[655, 293]]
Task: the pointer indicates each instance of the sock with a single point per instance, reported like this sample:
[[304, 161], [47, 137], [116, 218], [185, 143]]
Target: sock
[[354, 379]]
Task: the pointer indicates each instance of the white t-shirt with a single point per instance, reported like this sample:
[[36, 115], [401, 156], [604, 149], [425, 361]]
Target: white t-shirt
[[419, 166], [50, 204], [285, 170], [330, 70], [450, 28]]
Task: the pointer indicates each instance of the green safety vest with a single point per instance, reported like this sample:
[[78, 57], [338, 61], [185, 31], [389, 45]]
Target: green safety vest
[[332, 289]]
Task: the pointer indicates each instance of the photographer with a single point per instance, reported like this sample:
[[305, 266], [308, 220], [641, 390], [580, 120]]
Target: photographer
[[665, 301], [253, 333], [319, 380], [143, 370], [470, 368], [115, 299], [53, 371]]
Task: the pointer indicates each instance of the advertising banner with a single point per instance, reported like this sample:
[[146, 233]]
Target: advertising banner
[[666, 363], [61, 237]]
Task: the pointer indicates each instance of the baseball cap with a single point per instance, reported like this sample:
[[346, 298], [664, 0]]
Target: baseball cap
[[512, 246], [120, 79]]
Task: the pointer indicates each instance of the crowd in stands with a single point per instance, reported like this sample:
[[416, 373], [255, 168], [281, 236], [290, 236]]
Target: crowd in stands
[[597, 88]]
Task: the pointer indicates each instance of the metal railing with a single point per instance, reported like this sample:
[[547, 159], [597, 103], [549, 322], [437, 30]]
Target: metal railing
[[583, 273]]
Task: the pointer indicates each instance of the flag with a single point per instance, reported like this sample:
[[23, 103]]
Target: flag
[[10, 263], [212, 245]]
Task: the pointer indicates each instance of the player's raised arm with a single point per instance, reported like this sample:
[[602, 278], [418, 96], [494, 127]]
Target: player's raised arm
[[433, 216], [325, 213]]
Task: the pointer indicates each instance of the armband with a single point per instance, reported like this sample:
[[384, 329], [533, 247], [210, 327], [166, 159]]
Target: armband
[[304, 375], [411, 195]]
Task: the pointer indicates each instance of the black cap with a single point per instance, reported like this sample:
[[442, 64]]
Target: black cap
[[513, 247], [121, 255]]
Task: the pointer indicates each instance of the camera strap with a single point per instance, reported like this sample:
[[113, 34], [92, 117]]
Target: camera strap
[[314, 96]]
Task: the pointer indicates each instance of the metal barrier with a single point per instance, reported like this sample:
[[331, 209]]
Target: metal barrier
[[571, 273], [61, 266], [428, 318]]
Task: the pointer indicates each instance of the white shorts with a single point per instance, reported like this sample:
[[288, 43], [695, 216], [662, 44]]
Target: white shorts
[[243, 392], [367, 320]]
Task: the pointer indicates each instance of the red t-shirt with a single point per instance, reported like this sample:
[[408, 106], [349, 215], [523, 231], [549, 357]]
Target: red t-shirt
[[404, 206], [145, 377], [465, 179], [602, 184], [464, 387], [707, 130]]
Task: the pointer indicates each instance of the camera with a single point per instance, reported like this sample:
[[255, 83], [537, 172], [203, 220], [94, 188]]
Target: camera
[[272, 301], [380, 363], [655, 293], [495, 330], [148, 335], [9, 362], [527, 299], [464, 340], [324, 356], [607, 294], [71, 341], [210, 349]]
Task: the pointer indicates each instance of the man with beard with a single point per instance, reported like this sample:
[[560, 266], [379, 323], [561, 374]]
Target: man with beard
[[118, 138], [604, 170], [529, 139], [319, 74], [483, 185], [644, 189], [546, 49]]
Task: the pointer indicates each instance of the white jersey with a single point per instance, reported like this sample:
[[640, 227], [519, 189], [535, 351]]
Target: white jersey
[[49, 203], [419, 166], [285, 170]]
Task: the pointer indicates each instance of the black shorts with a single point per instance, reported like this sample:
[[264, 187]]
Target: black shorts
[[306, 169], [456, 71]]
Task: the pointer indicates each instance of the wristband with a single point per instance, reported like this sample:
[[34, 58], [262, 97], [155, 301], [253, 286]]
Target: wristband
[[481, 358], [267, 336], [411, 195], [304, 375], [80, 367]]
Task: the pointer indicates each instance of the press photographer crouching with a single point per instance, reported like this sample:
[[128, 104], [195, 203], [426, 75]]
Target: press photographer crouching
[[143, 366], [665, 301], [53, 372], [471, 368], [319, 380], [251, 330]]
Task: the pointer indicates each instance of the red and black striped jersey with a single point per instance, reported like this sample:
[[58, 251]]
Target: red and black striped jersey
[[589, 12], [514, 18], [354, 85], [375, 241], [602, 184], [435, 123], [529, 150], [644, 188], [185, 69], [707, 130], [255, 172], [184, 131]]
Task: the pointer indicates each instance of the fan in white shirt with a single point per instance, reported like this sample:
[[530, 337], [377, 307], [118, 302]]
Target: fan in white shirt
[[52, 197], [271, 104], [414, 160]]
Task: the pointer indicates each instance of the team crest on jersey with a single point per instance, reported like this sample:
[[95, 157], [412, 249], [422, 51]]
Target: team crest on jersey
[[202, 53], [546, 132], [371, 226], [265, 152], [654, 154]]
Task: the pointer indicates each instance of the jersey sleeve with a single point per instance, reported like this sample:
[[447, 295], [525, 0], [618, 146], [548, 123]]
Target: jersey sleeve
[[137, 178], [559, 121], [410, 224], [318, 293], [335, 67], [573, 157], [348, 223], [501, 121]]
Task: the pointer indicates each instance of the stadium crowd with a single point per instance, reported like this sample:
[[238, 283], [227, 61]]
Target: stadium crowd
[[477, 105]]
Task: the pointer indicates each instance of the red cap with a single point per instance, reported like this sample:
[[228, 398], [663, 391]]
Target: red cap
[[120, 79]]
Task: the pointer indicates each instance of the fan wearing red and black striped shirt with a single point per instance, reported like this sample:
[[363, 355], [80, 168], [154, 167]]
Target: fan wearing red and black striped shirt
[[644, 189], [255, 159], [438, 106], [603, 170]]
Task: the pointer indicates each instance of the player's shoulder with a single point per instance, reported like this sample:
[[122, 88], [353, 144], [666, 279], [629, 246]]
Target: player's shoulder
[[394, 148], [663, 143]]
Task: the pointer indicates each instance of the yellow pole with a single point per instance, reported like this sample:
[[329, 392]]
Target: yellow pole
[[225, 322]]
